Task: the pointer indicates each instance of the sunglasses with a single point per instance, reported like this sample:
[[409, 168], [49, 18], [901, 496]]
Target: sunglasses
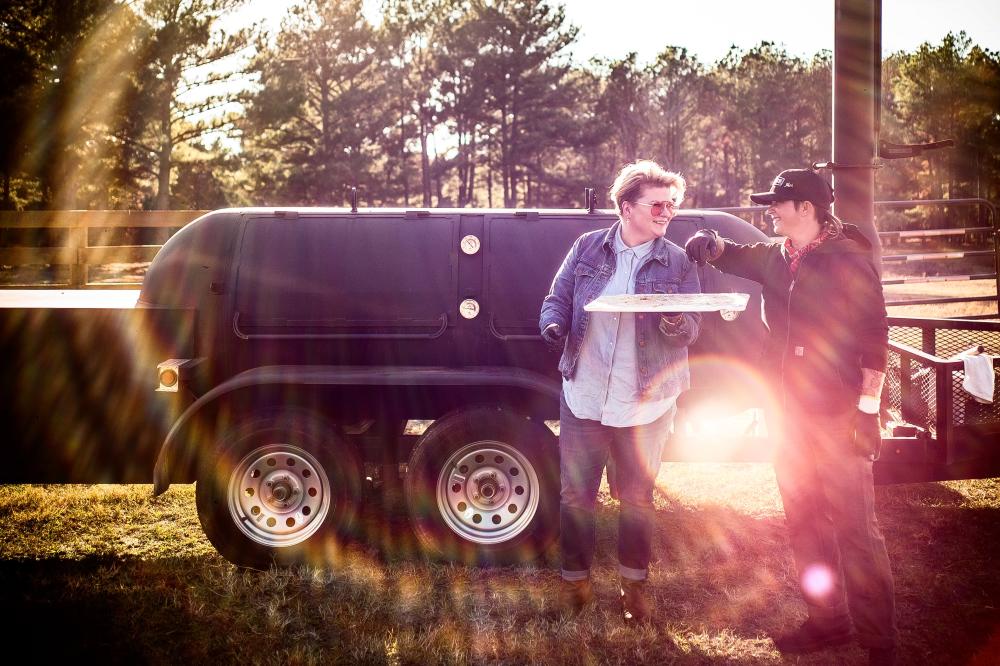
[[658, 208]]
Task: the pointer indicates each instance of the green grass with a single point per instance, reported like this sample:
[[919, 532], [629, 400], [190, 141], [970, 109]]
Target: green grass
[[109, 572]]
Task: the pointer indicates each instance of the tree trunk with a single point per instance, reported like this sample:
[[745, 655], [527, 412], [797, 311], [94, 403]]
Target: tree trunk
[[164, 156], [512, 152], [472, 166], [489, 174], [403, 172], [505, 176], [425, 165], [463, 162]]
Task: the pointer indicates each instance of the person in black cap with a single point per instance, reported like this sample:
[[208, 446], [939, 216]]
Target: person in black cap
[[827, 348]]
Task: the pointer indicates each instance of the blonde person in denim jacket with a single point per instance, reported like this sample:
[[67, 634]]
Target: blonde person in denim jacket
[[622, 373]]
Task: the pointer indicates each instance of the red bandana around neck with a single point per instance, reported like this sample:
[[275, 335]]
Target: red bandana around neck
[[795, 256]]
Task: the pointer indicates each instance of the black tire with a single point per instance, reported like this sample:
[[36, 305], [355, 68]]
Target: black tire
[[280, 489], [492, 464]]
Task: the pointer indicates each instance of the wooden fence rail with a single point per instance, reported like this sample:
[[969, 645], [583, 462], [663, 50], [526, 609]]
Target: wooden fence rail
[[76, 252]]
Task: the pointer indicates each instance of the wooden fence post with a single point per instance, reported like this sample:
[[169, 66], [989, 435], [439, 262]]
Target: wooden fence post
[[78, 243]]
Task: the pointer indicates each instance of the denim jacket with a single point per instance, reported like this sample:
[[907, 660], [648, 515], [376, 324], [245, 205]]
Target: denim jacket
[[586, 271]]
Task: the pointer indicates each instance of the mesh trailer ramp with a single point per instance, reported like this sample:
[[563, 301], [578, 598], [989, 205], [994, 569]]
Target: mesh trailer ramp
[[936, 430]]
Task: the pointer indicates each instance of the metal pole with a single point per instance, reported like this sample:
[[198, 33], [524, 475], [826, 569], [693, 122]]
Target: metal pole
[[857, 65]]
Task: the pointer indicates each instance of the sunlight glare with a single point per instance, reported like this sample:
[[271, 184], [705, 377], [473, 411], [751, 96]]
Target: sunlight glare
[[817, 581]]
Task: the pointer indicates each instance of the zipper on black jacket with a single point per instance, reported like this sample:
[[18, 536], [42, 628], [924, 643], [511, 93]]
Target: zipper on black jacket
[[788, 336]]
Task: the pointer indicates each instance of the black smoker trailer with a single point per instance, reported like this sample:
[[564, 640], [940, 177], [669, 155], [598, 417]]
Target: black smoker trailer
[[277, 357]]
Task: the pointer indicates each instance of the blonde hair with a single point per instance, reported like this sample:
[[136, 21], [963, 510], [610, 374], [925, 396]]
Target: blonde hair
[[641, 173]]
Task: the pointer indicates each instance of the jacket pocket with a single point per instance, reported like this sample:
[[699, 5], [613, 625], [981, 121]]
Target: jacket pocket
[[584, 277], [583, 269], [665, 286], [813, 379]]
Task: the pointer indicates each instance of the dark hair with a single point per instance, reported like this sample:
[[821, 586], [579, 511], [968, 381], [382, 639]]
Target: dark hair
[[825, 218]]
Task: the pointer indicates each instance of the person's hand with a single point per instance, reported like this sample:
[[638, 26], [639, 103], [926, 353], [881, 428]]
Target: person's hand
[[867, 434], [706, 245], [554, 337], [671, 324]]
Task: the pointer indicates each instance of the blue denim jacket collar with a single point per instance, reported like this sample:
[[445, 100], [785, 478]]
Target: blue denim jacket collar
[[659, 251], [582, 277]]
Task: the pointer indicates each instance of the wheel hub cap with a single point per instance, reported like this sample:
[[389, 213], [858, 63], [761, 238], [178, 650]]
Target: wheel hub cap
[[279, 495], [488, 492]]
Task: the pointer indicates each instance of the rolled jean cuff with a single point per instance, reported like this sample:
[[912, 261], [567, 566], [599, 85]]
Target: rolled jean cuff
[[632, 574], [575, 576]]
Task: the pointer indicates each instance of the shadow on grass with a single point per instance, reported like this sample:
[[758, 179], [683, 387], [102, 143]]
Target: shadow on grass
[[723, 581]]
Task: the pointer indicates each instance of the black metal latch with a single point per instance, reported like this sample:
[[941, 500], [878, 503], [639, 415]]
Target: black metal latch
[[895, 151], [889, 151]]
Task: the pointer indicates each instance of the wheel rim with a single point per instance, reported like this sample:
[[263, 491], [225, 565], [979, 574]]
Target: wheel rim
[[279, 495], [487, 492]]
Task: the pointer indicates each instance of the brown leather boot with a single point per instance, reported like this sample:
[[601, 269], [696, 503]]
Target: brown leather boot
[[636, 605], [574, 595]]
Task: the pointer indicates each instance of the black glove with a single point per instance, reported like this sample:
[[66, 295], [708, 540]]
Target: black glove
[[672, 324], [867, 434], [554, 337], [706, 245]]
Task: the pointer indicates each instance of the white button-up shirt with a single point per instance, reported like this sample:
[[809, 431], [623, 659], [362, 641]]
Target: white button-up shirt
[[605, 386]]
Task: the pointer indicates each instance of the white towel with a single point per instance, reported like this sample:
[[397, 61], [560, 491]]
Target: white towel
[[979, 376]]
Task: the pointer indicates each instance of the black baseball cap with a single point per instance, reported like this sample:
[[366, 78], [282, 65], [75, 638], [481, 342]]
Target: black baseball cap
[[797, 185]]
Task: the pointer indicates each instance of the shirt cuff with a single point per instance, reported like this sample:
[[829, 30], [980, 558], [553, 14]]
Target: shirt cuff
[[868, 404]]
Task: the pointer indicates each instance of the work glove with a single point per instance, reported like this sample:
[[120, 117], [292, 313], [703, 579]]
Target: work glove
[[554, 337], [867, 434], [672, 324], [706, 245]]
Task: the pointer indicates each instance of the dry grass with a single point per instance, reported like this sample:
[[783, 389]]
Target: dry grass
[[109, 572], [961, 289]]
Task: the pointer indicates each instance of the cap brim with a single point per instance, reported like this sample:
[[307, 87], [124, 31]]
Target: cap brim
[[763, 197]]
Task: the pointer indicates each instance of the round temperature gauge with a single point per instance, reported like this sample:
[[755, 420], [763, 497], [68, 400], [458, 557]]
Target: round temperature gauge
[[470, 244], [469, 308]]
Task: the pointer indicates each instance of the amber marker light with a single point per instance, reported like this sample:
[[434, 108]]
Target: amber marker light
[[168, 377], [169, 373]]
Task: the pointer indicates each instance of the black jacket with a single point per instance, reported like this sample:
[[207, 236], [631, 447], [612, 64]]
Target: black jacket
[[825, 325]]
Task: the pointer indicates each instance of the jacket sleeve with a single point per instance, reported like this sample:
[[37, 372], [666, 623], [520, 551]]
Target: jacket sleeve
[[872, 326], [745, 261], [557, 306], [687, 332]]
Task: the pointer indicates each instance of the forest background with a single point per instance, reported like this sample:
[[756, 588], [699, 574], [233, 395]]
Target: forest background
[[154, 104]]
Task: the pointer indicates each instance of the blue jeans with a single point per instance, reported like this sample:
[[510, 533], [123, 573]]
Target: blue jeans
[[828, 496], [584, 448]]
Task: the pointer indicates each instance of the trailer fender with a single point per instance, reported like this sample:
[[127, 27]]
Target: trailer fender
[[171, 451]]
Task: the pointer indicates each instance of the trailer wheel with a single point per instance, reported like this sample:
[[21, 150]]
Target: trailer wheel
[[482, 487], [282, 489]]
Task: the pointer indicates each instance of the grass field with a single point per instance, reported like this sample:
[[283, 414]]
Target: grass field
[[110, 573]]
